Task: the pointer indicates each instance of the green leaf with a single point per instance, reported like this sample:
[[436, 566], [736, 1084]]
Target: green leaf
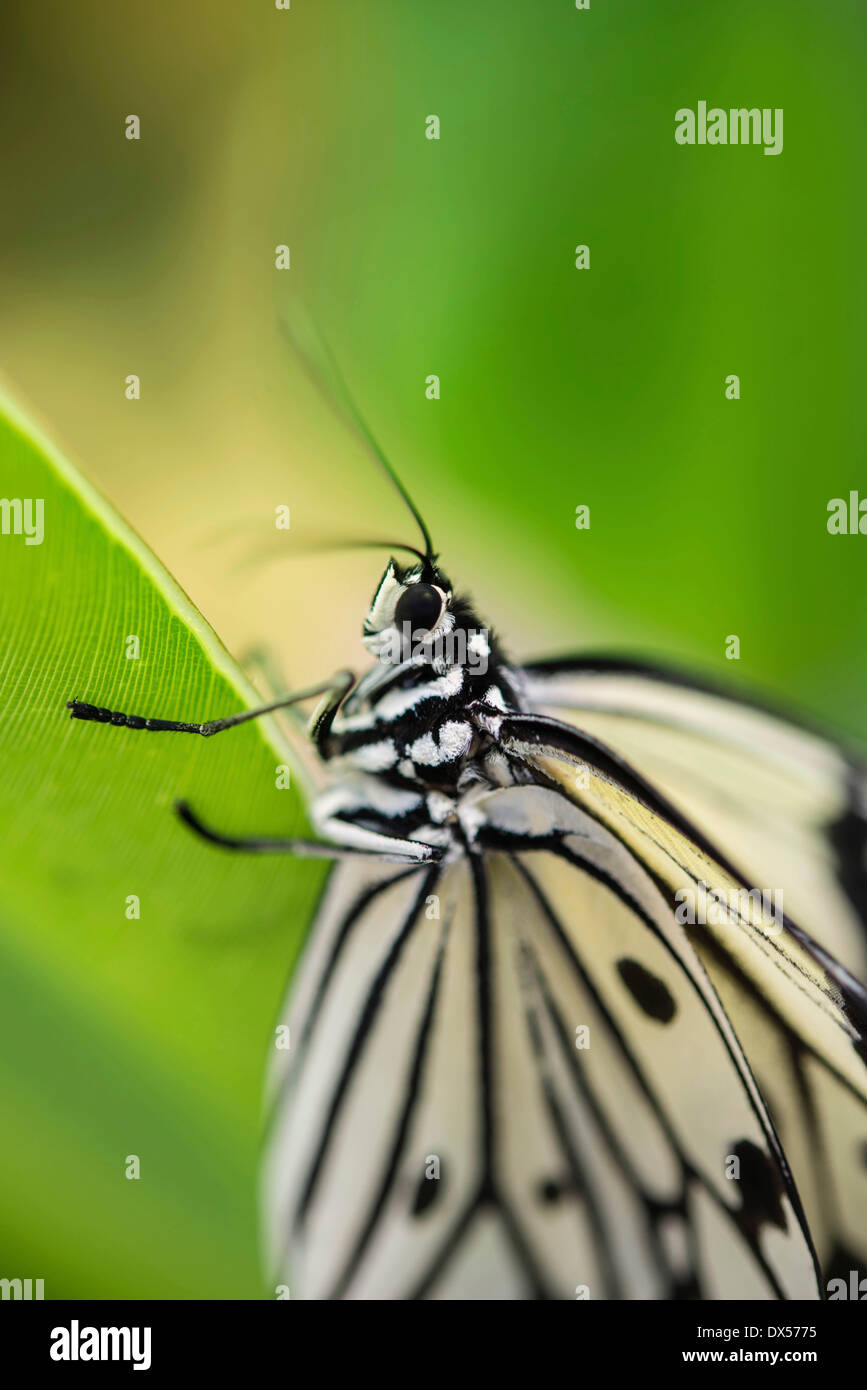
[[124, 1036]]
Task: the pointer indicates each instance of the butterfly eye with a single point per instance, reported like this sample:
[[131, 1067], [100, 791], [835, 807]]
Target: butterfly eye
[[420, 605]]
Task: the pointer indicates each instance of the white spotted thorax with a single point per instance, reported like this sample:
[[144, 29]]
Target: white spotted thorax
[[407, 743]]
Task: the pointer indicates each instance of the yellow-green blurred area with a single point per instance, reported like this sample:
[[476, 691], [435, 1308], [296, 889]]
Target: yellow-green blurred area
[[560, 387]]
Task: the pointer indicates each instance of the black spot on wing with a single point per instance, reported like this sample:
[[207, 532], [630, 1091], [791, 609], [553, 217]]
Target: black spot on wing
[[760, 1187], [551, 1190], [649, 992]]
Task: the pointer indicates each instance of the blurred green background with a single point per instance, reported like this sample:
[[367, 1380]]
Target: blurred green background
[[559, 387]]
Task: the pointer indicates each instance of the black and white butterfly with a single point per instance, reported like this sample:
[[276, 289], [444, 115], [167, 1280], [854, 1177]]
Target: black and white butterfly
[[514, 844], [519, 1065]]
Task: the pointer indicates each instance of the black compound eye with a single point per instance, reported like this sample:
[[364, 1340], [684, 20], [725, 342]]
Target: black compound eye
[[420, 606]]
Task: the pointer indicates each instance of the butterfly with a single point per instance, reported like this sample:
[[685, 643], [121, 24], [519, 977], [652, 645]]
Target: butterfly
[[581, 1012]]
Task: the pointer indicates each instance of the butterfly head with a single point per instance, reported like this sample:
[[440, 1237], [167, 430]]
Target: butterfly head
[[417, 620], [410, 609]]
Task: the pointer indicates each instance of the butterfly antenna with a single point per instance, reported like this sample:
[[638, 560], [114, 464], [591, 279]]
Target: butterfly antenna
[[278, 551], [338, 387]]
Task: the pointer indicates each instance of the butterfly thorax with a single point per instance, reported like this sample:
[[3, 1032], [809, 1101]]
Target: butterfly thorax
[[406, 744], [416, 728]]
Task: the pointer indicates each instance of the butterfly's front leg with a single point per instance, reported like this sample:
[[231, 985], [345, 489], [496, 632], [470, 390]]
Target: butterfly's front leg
[[359, 815], [362, 813], [335, 691], [344, 843]]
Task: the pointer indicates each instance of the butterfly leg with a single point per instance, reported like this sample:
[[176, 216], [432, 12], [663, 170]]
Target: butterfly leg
[[361, 811], [379, 846], [336, 690]]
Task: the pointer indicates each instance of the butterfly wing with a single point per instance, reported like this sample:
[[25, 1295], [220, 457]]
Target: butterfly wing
[[780, 801], [436, 1130], [781, 989]]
